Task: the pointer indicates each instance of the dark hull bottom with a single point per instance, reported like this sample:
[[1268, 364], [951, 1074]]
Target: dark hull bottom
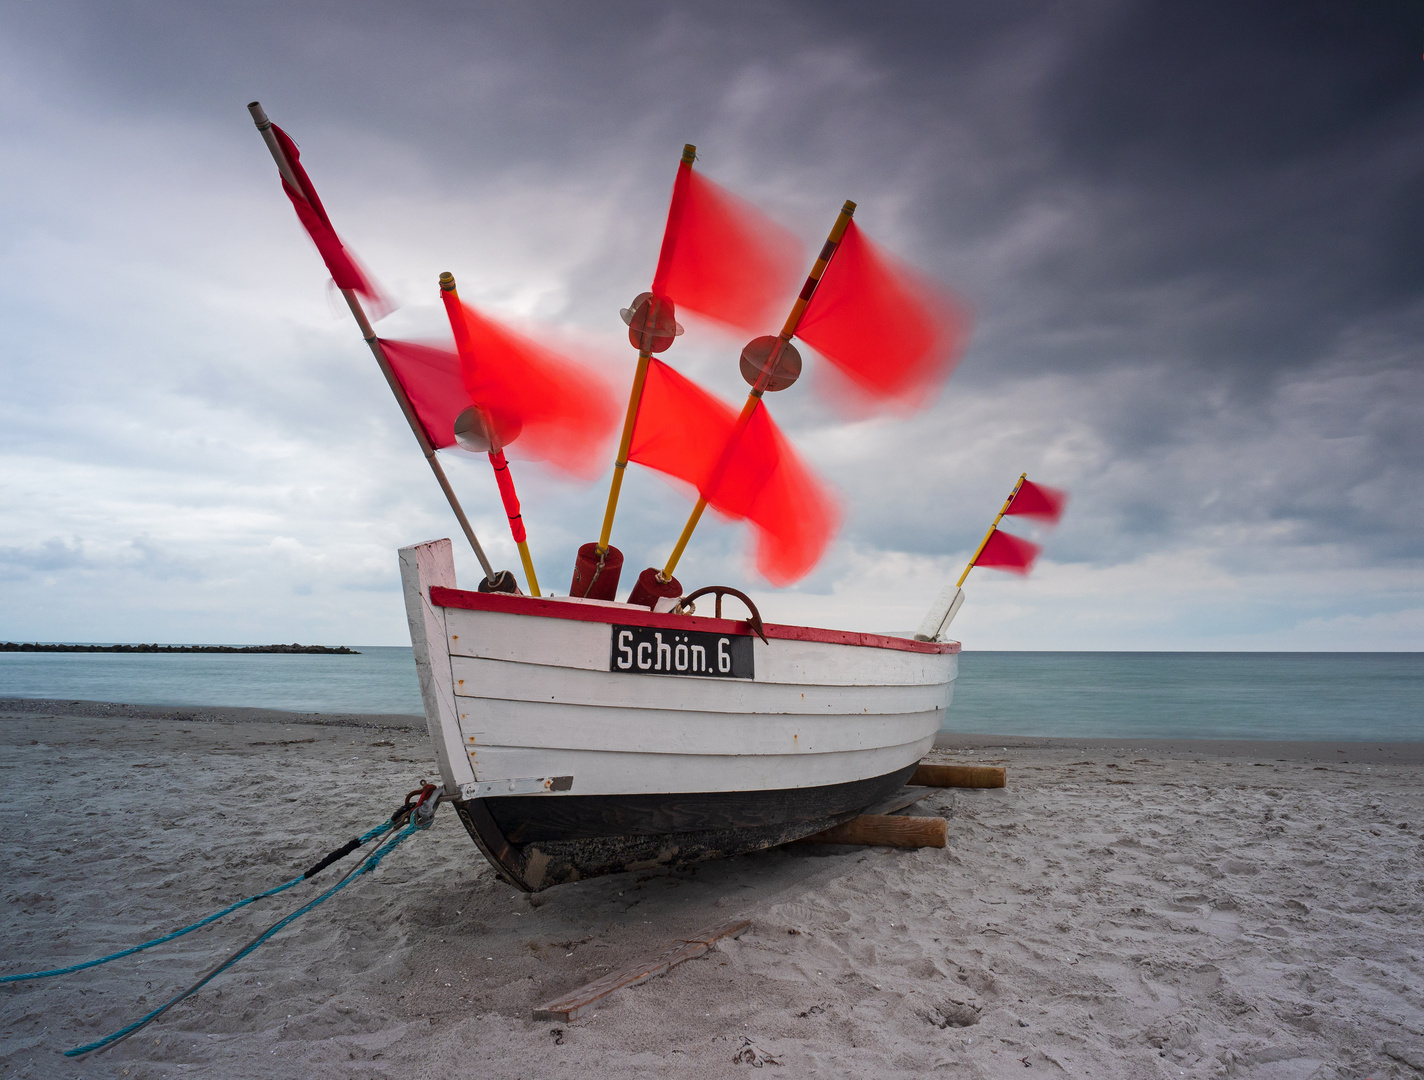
[[540, 840]]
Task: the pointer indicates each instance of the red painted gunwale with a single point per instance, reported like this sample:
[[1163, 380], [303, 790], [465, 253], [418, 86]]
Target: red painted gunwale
[[510, 604]]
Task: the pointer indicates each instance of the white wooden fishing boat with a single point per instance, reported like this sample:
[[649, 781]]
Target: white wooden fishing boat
[[580, 736], [587, 737]]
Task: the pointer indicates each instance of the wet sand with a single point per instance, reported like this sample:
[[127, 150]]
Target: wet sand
[[1122, 909]]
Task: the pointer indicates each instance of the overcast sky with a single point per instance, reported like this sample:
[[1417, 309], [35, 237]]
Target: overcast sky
[[1192, 236]]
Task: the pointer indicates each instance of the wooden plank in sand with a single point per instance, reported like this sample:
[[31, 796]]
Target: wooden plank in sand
[[576, 1003], [968, 776], [886, 830]]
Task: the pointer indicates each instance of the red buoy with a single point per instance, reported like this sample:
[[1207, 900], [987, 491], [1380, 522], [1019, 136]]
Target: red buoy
[[595, 577], [651, 588]]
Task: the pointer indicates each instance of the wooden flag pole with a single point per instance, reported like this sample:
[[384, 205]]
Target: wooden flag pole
[[284, 167], [788, 330], [503, 478], [1004, 510], [635, 397]]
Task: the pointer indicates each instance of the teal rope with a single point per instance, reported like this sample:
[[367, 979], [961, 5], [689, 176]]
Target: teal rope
[[363, 839], [366, 867]]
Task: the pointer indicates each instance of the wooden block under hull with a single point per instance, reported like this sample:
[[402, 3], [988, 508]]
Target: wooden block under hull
[[578, 1002], [966, 776], [886, 830]]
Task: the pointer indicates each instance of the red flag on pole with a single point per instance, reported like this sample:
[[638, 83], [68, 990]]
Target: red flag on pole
[[722, 257], [560, 411], [753, 474], [435, 385], [1038, 501], [765, 481], [1007, 552], [680, 428], [340, 263], [894, 334]]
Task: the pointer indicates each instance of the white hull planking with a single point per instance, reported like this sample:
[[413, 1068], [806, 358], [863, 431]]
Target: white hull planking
[[511, 696]]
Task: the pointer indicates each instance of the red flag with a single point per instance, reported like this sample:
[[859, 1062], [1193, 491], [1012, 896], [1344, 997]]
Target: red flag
[[435, 385], [723, 258], [560, 411], [1008, 552], [752, 474], [680, 428], [341, 264], [1038, 501], [765, 481], [893, 333]]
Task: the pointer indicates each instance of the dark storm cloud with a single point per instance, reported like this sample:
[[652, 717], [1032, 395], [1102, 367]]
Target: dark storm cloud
[[1230, 186], [1261, 158], [1150, 104]]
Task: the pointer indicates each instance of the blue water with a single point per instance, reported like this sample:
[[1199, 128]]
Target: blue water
[[1356, 696], [1196, 695], [380, 680]]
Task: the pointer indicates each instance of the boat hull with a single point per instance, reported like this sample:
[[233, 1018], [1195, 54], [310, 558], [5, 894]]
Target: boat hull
[[586, 737], [535, 842]]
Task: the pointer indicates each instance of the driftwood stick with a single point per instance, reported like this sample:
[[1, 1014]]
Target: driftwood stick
[[973, 776], [579, 1002], [886, 830]]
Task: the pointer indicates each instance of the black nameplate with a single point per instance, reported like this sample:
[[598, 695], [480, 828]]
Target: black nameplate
[[643, 650]]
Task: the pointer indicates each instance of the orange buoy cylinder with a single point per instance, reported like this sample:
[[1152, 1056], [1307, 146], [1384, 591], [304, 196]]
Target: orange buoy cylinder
[[596, 578], [651, 588]]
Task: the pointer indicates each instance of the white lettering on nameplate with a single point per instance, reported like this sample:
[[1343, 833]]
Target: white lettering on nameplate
[[642, 650]]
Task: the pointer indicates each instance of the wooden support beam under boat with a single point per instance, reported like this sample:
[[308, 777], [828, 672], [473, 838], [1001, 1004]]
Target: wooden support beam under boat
[[578, 1002], [967, 776], [885, 830]]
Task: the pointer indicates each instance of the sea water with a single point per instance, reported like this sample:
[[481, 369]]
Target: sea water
[[1191, 695], [379, 680], [1327, 696]]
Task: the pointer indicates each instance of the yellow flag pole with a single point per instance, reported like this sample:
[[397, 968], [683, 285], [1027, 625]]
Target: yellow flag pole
[[759, 387], [503, 479], [635, 397], [979, 550]]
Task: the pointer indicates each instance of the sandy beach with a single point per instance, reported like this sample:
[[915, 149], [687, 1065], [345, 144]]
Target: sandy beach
[[1121, 909]]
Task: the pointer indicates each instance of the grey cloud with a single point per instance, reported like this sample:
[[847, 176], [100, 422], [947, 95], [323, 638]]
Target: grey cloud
[[156, 562], [52, 554], [141, 555]]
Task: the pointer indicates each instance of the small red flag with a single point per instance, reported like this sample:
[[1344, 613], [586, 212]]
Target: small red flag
[[561, 412], [892, 332], [1039, 501], [340, 263], [435, 385], [723, 258], [753, 474], [1008, 552]]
